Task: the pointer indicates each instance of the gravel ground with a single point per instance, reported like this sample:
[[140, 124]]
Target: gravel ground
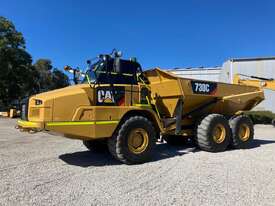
[[42, 169]]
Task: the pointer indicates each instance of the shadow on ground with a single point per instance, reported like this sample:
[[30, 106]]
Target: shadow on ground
[[258, 142], [163, 151], [89, 158]]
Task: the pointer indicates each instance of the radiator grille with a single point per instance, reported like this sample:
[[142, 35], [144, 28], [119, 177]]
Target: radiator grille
[[24, 109]]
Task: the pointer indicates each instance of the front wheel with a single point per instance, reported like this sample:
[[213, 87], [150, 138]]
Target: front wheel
[[134, 141]]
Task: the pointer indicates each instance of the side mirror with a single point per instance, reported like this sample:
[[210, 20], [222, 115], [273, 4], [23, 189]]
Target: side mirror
[[118, 54], [67, 68], [117, 64]]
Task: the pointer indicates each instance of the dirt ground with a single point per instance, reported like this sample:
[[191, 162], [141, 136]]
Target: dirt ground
[[42, 169]]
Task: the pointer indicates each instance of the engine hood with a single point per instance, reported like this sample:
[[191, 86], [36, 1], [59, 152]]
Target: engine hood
[[61, 104], [62, 92]]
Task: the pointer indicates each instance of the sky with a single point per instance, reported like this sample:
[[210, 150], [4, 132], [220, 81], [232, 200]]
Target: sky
[[164, 34]]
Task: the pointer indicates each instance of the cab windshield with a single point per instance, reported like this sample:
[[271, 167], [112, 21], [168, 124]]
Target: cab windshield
[[93, 72], [103, 72]]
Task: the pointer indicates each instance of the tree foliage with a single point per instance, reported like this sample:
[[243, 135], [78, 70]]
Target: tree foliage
[[48, 78], [18, 77], [59, 79], [9, 37], [15, 64]]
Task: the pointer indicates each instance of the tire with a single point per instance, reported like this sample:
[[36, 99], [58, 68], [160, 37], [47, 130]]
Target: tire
[[121, 145], [273, 122], [242, 132], [213, 133], [175, 140], [96, 145]]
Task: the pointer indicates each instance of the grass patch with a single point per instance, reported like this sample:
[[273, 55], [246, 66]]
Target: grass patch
[[261, 117]]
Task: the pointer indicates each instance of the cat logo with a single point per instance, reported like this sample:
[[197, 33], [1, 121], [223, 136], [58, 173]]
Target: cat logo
[[110, 96], [105, 96]]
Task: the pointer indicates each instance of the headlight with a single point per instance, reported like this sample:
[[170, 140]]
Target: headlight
[[38, 102]]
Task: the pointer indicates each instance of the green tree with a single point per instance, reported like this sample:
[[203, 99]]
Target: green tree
[[18, 77], [43, 68], [10, 37], [59, 79], [16, 72], [49, 78]]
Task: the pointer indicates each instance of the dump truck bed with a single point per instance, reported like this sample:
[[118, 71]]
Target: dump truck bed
[[203, 96]]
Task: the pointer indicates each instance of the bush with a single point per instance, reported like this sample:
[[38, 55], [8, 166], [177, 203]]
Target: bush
[[261, 117]]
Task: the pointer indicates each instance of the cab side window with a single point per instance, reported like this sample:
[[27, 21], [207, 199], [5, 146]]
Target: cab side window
[[127, 74]]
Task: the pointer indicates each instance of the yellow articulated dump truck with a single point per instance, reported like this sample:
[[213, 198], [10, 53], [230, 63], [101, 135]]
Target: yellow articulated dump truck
[[120, 107]]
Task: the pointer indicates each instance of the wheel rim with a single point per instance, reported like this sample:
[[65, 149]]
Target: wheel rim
[[138, 140], [219, 133], [244, 132]]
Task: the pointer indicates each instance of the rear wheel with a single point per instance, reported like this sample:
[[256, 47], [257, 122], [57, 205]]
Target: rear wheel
[[213, 133], [134, 141], [242, 132], [273, 122], [96, 145]]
